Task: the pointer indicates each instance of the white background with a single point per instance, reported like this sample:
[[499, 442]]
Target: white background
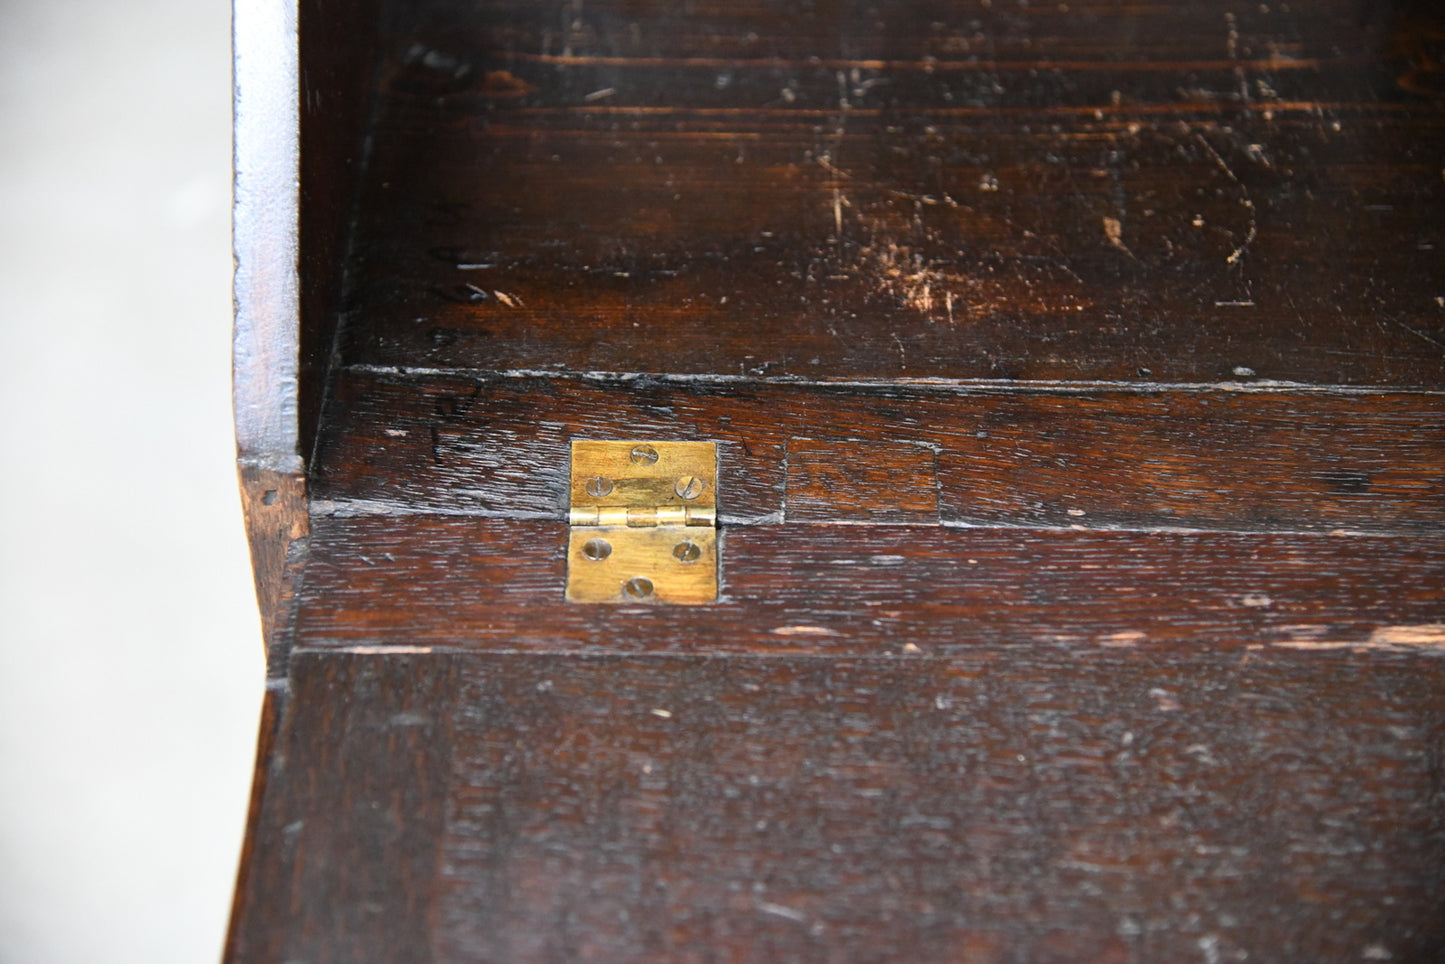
[[130, 655]]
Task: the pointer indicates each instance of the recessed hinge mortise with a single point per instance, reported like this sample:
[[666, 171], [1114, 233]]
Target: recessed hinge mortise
[[643, 523]]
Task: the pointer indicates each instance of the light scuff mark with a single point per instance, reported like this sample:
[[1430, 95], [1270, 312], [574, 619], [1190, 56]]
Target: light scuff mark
[[1423, 638]]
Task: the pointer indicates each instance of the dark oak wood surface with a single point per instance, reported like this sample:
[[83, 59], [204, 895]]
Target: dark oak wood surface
[[338, 43], [1207, 459], [1078, 377], [472, 584], [1016, 805], [1165, 192]]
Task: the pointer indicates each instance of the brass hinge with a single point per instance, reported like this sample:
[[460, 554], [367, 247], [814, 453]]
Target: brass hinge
[[643, 523]]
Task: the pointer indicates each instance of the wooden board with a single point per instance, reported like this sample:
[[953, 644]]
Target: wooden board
[[473, 584], [1006, 806], [1211, 459], [1168, 193]]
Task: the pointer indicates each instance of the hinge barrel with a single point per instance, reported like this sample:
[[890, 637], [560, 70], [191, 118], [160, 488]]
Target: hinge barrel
[[642, 517]]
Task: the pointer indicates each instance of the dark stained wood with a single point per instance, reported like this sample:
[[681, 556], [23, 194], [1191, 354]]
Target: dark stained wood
[[854, 481], [1160, 193], [474, 584], [272, 710], [1037, 807], [278, 523], [1097, 459], [1077, 371], [351, 874], [338, 56]]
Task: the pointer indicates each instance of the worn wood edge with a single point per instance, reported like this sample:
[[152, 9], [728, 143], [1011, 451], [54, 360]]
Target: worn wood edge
[[1388, 642], [265, 229], [965, 386], [273, 708], [277, 526]]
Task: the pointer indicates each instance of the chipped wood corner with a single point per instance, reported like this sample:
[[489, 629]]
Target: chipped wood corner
[[277, 526]]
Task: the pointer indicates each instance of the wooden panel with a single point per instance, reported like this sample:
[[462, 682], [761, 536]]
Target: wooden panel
[[478, 584], [1100, 459], [1038, 808], [303, 94], [272, 707], [1153, 36], [264, 230], [344, 859], [872, 481], [1160, 193], [336, 93]]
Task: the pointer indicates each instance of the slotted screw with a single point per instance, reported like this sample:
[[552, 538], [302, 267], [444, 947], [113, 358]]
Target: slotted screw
[[644, 455], [689, 487], [638, 587], [687, 552], [599, 487], [596, 549]]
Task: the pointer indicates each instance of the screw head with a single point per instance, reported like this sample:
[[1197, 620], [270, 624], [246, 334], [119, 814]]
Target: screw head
[[638, 587], [687, 552], [599, 487], [689, 487], [596, 549], [643, 455]]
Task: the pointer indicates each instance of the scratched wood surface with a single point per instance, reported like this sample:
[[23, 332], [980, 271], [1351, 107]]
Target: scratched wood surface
[[1155, 193], [1208, 459], [1077, 375], [496, 585], [1004, 806]]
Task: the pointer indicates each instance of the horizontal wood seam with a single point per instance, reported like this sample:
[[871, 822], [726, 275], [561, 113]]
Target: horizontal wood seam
[[962, 386], [369, 508]]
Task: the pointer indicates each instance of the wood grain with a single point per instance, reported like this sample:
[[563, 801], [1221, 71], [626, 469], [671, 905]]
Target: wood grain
[[1164, 193], [1076, 371], [303, 96], [850, 481], [1039, 808], [278, 525], [1101, 458], [272, 710], [345, 859], [336, 96], [264, 216], [497, 585], [297, 172]]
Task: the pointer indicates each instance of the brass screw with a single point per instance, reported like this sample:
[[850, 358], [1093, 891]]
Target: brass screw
[[644, 455], [687, 552], [596, 549], [599, 487], [689, 487], [638, 587]]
